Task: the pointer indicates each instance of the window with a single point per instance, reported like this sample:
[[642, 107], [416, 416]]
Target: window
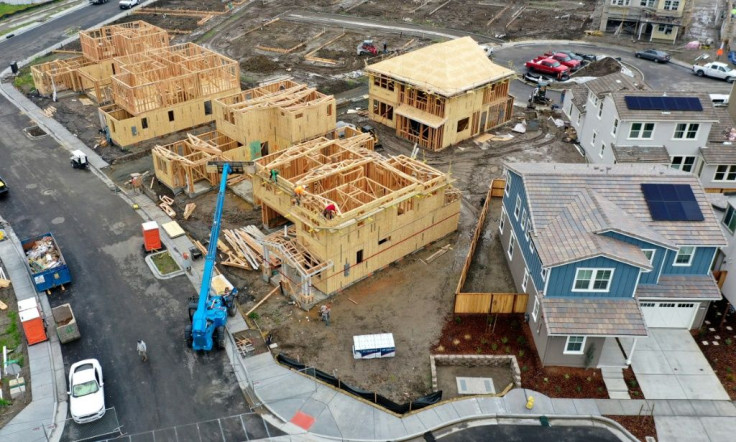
[[615, 126], [641, 131], [383, 110], [171, 115], [507, 189], [647, 3], [592, 141], [535, 310], [603, 149], [600, 110], [730, 220], [579, 115], [592, 280], [384, 240], [574, 345], [649, 253], [512, 242], [544, 274], [144, 123], [528, 229], [517, 209], [525, 280], [620, 2], [462, 124], [725, 173], [383, 82], [329, 110], [683, 163], [502, 223], [523, 220], [208, 107], [684, 256], [671, 5], [688, 131], [666, 29], [359, 257]]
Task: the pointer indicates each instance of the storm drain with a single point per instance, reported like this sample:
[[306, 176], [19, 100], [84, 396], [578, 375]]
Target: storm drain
[[34, 132]]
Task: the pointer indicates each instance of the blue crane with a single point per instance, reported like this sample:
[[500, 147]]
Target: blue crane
[[209, 313]]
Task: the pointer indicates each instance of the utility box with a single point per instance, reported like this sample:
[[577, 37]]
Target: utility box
[[151, 236], [374, 346], [66, 323], [32, 321]]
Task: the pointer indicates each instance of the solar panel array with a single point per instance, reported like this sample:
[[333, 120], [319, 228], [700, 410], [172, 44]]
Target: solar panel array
[[663, 103], [672, 202]]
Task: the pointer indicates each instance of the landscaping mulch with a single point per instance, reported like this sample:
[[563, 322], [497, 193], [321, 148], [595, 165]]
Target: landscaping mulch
[[720, 350], [634, 388], [639, 426], [511, 336]]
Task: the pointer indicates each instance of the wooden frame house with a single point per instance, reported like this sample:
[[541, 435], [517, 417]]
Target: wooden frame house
[[167, 90], [441, 94], [90, 73], [358, 212], [275, 116]]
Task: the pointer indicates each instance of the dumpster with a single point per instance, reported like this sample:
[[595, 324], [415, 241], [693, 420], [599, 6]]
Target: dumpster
[[32, 321], [46, 263], [66, 323]]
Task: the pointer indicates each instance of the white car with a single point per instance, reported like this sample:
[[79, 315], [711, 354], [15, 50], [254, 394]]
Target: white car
[[86, 391], [127, 4]]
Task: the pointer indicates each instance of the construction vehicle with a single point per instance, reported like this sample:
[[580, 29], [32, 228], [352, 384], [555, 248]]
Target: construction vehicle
[[539, 95], [79, 160], [366, 129], [208, 313], [367, 47]]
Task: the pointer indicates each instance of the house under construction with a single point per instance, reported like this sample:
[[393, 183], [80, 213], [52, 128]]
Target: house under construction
[[274, 116], [441, 94], [90, 73], [353, 211], [167, 90]]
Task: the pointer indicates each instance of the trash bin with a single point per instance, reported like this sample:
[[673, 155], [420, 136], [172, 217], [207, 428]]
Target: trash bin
[[14, 67]]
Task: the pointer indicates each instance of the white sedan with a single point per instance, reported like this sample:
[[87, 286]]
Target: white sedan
[[86, 391]]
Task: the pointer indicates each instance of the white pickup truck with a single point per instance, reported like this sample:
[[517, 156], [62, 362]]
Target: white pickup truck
[[715, 70], [127, 4]]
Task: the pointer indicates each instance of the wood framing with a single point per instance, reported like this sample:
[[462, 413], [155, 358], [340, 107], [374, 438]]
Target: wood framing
[[180, 166], [272, 117], [167, 90], [440, 95], [123, 39], [358, 212]]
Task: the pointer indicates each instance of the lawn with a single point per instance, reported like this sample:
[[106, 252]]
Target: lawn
[[6, 9]]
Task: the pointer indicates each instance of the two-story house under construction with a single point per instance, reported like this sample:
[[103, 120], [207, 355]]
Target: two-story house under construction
[[606, 252], [441, 94], [645, 20]]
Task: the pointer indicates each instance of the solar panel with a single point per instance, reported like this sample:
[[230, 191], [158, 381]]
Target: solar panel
[[690, 104], [672, 202]]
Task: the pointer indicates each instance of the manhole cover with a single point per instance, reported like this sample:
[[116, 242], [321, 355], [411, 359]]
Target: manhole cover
[[34, 132]]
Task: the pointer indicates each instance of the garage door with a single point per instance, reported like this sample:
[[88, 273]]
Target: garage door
[[669, 314]]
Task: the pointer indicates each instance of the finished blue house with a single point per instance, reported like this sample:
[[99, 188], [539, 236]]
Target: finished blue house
[[606, 252]]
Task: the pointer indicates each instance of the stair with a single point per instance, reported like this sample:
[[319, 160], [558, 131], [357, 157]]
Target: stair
[[613, 377]]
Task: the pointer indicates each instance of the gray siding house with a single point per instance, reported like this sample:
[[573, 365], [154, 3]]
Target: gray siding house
[[605, 253]]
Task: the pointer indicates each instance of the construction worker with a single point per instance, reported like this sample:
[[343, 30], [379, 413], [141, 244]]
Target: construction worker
[[142, 350], [329, 211], [298, 193], [274, 175]]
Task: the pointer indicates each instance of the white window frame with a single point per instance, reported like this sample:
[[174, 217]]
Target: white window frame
[[535, 309], [615, 126], [686, 131], [681, 164], [690, 260], [638, 134], [728, 218], [512, 243], [648, 3], [600, 110], [603, 149], [507, 188], [579, 115], [593, 278], [517, 208], [528, 229], [726, 171], [651, 257], [523, 220], [592, 140], [543, 272], [671, 5], [502, 222], [567, 350], [525, 280]]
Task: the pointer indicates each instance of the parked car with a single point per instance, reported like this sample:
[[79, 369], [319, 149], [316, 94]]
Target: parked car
[[548, 66], [582, 58], [715, 69], [3, 187], [127, 4], [97, 2], [86, 391], [535, 78], [565, 59], [654, 55]]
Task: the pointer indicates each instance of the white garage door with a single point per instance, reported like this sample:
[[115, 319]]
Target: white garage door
[[669, 314]]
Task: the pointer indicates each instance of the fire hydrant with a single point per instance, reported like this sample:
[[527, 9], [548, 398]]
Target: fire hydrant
[[530, 403]]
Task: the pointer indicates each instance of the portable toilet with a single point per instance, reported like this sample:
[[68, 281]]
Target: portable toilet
[[151, 236], [31, 320]]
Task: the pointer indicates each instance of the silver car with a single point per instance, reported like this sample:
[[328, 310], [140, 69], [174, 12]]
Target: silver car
[[654, 55]]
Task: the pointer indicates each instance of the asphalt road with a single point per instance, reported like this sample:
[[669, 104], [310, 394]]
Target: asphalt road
[[528, 433]]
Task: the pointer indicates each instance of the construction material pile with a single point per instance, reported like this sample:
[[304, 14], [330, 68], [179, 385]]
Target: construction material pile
[[244, 250], [43, 255]]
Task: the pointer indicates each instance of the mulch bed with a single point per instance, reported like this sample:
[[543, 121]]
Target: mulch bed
[[511, 335], [722, 357], [639, 426], [634, 388]]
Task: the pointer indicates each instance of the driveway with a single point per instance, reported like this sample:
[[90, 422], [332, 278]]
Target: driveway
[[669, 365]]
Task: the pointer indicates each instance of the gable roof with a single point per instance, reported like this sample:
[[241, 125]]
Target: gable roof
[[708, 113], [641, 154], [593, 317], [446, 69], [615, 82], [571, 205]]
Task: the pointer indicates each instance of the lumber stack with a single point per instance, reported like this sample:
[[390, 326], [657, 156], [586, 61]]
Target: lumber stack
[[243, 249], [166, 203]]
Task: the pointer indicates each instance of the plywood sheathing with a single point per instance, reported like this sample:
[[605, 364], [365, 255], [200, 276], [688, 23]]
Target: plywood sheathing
[[271, 117], [384, 208], [182, 164], [123, 39], [58, 75]]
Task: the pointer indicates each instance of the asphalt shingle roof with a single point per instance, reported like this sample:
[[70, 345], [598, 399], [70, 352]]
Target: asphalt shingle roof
[[593, 317], [700, 287], [719, 131], [571, 204], [615, 82], [641, 154], [579, 95], [719, 154], [625, 114]]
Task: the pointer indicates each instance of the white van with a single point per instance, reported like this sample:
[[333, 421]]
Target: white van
[[719, 100]]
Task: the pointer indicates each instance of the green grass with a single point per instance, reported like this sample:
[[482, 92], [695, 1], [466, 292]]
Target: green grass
[[9, 9], [11, 335], [11, 30], [24, 80], [165, 263]]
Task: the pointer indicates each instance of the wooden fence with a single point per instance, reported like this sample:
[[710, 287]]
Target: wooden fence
[[486, 303]]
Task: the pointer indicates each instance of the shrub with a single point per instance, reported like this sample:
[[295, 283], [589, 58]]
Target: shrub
[[254, 316], [600, 389], [578, 388], [504, 340], [635, 393], [730, 377], [729, 370], [546, 380], [729, 341], [633, 383], [589, 379], [524, 368], [508, 350], [558, 389], [494, 346], [478, 350], [567, 376], [521, 340], [458, 320], [521, 353], [483, 341]]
